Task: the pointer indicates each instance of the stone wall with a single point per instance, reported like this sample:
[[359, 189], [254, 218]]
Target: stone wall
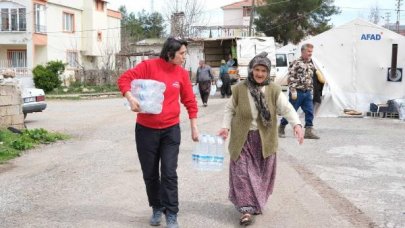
[[11, 106]]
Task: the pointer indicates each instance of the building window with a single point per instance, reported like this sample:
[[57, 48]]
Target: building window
[[99, 36], [72, 59], [5, 20], [68, 22], [13, 19], [247, 11], [100, 5], [40, 16], [17, 58], [22, 19]]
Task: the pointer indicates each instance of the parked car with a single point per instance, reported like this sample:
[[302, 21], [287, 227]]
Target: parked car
[[33, 100]]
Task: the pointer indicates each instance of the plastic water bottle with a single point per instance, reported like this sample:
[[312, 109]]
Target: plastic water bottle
[[150, 107], [149, 94], [208, 153], [203, 156], [219, 155], [195, 155], [148, 84], [211, 152]]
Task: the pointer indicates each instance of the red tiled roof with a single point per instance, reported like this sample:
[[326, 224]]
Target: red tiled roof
[[241, 4]]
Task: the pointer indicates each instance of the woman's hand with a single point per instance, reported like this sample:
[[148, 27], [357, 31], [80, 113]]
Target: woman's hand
[[299, 134], [194, 129], [224, 133], [133, 102]]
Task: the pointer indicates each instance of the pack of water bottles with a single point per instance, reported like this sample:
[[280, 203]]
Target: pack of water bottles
[[149, 93], [208, 153]]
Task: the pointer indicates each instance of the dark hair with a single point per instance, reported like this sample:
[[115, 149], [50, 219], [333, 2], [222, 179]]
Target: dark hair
[[170, 47]]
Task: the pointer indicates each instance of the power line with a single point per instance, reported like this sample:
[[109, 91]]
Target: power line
[[399, 3], [361, 8]]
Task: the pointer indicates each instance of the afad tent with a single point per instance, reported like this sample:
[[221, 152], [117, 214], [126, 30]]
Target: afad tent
[[355, 59]]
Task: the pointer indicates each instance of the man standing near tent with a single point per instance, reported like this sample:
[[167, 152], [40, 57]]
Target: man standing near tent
[[301, 90]]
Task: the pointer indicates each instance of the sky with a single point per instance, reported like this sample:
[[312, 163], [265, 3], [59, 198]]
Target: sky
[[351, 9]]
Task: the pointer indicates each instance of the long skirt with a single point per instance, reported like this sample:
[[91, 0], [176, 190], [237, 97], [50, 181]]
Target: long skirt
[[251, 177]]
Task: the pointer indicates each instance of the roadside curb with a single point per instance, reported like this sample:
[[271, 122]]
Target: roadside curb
[[83, 96]]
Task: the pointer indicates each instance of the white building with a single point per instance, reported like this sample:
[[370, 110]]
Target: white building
[[81, 33], [237, 18]]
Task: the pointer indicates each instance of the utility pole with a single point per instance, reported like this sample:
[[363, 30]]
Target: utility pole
[[252, 17], [387, 18], [152, 6], [399, 3]]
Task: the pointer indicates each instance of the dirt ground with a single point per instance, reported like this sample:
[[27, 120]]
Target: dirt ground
[[352, 177]]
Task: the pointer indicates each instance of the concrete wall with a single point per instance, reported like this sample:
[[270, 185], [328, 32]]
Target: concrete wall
[[233, 17], [60, 42], [10, 106]]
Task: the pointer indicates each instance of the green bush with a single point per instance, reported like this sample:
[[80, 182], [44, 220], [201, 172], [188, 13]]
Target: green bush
[[47, 77]]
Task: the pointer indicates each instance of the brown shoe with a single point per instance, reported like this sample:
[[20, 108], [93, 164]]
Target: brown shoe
[[281, 131], [309, 134]]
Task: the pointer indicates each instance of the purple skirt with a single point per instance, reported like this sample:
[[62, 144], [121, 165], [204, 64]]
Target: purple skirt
[[251, 177]]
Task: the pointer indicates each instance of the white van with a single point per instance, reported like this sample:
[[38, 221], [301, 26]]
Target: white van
[[283, 61]]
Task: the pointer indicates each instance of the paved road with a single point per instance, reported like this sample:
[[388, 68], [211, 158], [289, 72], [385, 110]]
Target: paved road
[[352, 177]]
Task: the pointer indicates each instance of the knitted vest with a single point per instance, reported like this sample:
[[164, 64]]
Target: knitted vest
[[243, 117]]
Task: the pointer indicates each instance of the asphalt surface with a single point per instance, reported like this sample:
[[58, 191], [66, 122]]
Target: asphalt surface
[[352, 177]]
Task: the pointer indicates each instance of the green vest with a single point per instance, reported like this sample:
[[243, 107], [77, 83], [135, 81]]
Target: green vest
[[242, 119]]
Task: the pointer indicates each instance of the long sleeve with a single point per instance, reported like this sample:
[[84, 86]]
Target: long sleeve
[[292, 78], [228, 114], [285, 109], [187, 97], [124, 81]]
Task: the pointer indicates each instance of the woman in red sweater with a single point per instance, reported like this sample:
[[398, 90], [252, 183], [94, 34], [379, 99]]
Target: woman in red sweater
[[158, 135]]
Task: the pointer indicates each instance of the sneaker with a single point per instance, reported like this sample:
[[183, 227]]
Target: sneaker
[[171, 220], [156, 216]]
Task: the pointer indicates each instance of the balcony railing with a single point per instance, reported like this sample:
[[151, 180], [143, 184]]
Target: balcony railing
[[40, 28]]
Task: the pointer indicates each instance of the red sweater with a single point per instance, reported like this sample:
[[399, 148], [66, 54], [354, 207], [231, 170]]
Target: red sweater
[[177, 84]]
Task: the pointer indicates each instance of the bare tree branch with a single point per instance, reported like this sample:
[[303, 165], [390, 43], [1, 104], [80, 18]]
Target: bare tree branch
[[183, 16]]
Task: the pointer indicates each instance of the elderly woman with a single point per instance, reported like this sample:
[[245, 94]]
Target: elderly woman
[[251, 118]]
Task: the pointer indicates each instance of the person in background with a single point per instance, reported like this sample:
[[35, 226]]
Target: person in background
[[318, 83], [157, 136], [231, 62], [226, 80], [251, 120], [204, 80], [300, 85]]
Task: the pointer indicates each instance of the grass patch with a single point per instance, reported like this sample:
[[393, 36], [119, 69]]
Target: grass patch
[[12, 144], [79, 88]]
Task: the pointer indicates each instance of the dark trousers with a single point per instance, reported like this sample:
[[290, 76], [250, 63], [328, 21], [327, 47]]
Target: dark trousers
[[226, 86], [154, 146], [205, 88], [304, 100]]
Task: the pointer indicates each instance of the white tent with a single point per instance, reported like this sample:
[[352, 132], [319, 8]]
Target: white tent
[[355, 59]]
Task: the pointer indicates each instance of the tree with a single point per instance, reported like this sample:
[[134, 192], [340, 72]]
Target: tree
[[293, 20], [183, 16], [152, 24], [374, 15], [131, 28]]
